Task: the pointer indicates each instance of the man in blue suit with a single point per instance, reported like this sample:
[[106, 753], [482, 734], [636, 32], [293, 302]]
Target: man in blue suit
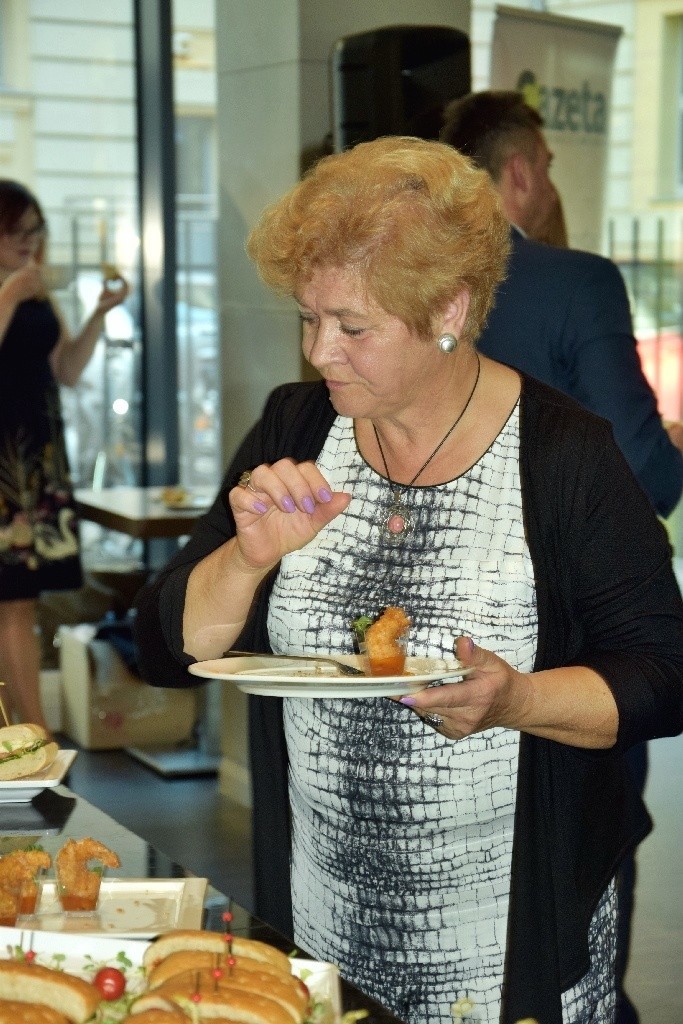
[[562, 315]]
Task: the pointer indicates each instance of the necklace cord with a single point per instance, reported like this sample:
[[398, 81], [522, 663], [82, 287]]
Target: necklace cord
[[397, 489]]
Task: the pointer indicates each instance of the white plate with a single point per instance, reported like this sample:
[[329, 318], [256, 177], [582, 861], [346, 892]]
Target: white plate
[[273, 676], [139, 908], [22, 790], [83, 955], [322, 981]]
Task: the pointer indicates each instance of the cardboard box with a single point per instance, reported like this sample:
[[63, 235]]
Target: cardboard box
[[106, 707], [51, 697]]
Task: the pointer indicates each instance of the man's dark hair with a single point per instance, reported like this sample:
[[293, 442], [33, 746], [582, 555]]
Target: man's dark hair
[[490, 126]]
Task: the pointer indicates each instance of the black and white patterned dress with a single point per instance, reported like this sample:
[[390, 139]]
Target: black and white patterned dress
[[402, 839]]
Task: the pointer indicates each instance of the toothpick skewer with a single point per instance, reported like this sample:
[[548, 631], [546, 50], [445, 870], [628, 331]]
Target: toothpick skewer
[[2, 707]]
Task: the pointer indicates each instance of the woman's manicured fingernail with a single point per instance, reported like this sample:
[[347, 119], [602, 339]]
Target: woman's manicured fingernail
[[259, 506], [410, 701], [308, 504], [324, 494], [288, 504], [469, 644]]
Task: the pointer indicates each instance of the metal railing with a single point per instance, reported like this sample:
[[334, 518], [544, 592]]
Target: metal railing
[[649, 252]]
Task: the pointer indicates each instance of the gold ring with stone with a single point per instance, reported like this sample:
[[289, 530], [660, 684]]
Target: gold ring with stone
[[244, 479]]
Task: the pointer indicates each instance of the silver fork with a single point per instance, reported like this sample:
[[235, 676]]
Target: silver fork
[[346, 670]]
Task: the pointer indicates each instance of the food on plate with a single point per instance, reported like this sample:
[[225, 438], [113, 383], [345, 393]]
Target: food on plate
[[30, 983], [232, 982], [14, 1012], [201, 960], [241, 979], [213, 942], [211, 1000], [286, 990], [382, 637], [174, 497], [19, 871], [78, 885], [216, 983], [110, 272], [9, 907], [24, 750], [158, 1016], [110, 982]]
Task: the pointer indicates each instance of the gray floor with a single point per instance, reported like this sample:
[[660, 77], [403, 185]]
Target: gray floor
[[190, 821], [654, 977]]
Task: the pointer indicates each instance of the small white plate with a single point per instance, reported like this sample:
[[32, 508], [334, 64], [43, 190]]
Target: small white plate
[[21, 791], [273, 676], [139, 908]]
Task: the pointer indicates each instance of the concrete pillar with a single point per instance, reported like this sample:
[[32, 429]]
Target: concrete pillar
[[273, 103]]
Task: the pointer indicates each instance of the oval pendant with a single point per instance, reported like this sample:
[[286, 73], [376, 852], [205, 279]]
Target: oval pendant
[[397, 524]]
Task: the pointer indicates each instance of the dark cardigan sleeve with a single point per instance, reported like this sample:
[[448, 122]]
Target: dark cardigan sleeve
[[605, 571], [607, 598]]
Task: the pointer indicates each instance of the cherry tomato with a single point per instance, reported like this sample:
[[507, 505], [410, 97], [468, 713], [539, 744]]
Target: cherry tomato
[[111, 983]]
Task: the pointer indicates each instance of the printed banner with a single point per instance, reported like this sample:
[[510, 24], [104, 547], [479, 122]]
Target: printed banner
[[563, 66]]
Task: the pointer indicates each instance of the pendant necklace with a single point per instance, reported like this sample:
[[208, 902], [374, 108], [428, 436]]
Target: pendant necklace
[[398, 521]]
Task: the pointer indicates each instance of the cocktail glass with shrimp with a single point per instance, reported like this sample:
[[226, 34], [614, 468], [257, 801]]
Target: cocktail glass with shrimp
[[80, 865], [21, 873], [384, 641]]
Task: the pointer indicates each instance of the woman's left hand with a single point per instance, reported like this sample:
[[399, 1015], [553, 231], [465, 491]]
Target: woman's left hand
[[110, 297], [491, 694]]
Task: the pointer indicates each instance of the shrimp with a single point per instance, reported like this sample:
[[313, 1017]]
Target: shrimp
[[76, 879], [381, 639], [18, 871], [8, 907]]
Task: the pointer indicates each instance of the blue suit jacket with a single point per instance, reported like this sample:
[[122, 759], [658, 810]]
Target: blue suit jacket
[[563, 316]]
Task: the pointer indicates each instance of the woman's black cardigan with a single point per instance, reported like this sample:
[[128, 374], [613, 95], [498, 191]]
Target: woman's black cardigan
[[607, 598]]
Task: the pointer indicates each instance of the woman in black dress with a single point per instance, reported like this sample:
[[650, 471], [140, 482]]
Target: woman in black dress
[[38, 532]]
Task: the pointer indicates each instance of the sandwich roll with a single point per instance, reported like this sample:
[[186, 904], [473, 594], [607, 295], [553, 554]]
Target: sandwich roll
[[24, 750], [213, 942], [13, 1012], [292, 998], [173, 1015], [151, 1002], [202, 960], [30, 983], [230, 1004]]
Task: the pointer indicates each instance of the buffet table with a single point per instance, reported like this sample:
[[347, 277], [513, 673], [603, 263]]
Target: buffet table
[[58, 814]]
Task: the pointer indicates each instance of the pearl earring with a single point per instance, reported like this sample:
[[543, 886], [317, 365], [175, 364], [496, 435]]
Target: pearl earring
[[447, 342]]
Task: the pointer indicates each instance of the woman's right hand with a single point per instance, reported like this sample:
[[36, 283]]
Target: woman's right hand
[[281, 510], [26, 283]]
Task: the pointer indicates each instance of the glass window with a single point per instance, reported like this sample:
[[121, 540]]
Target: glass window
[[73, 142], [199, 390], [679, 155]]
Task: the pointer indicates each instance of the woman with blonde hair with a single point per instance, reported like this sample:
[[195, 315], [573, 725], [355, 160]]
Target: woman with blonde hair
[[458, 843], [38, 533]]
